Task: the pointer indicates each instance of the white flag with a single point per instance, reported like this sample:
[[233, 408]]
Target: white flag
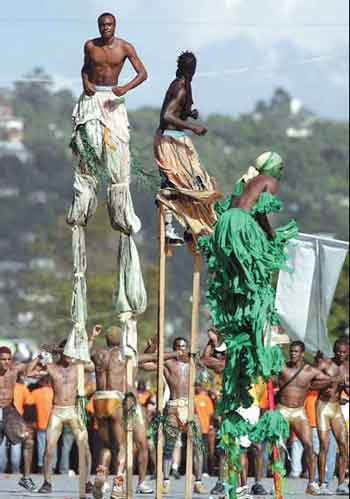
[[304, 297]]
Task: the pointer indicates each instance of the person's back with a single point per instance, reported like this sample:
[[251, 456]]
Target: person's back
[[252, 191]]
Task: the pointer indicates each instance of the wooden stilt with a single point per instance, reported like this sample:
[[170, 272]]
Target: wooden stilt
[[129, 433], [161, 325], [192, 373], [275, 452]]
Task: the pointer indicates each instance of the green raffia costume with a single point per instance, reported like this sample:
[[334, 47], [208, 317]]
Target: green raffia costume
[[241, 262]]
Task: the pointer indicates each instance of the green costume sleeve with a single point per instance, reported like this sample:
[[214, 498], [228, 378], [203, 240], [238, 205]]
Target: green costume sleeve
[[267, 203]]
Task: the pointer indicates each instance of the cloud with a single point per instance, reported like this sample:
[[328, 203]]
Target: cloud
[[317, 27]]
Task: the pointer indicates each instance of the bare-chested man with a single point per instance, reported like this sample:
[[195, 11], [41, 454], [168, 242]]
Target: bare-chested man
[[176, 372], [330, 416], [100, 144], [295, 379], [64, 376], [179, 166], [214, 358], [111, 383], [12, 425]]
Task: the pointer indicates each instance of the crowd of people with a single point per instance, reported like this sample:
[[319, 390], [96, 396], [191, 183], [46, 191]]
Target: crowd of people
[[40, 429]]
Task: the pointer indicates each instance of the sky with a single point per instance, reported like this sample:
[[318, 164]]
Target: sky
[[245, 48]]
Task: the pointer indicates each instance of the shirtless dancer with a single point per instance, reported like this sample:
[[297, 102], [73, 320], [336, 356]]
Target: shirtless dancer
[[330, 416], [214, 358], [292, 396], [112, 386], [64, 376], [176, 372], [12, 425], [179, 165]]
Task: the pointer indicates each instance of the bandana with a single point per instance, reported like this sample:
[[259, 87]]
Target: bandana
[[270, 163]]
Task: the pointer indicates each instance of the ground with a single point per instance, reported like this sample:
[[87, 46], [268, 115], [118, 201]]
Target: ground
[[67, 488]]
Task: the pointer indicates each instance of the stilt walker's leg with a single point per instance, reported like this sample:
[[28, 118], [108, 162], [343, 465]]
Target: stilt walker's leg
[[129, 435], [275, 451], [194, 334], [161, 323]]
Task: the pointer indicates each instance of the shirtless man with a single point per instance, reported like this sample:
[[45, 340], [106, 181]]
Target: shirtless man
[[330, 416], [175, 154], [295, 380], [111, 384], [64, 376], [12, 425], [214, 358], [176, 372], [105, 58]]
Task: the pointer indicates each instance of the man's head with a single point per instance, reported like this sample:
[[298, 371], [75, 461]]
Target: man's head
[[270, 163], [5, 359], [186, 65], [114, 336], [180, 345], [341, 350], [141, 386], [296, 351], [106, 25]]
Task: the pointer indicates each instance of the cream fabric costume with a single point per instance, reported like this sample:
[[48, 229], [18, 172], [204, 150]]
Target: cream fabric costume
[[100, 143]]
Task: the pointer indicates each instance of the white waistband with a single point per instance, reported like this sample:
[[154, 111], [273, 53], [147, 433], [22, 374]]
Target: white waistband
[[109, 395], [177, 133], [183, 402]]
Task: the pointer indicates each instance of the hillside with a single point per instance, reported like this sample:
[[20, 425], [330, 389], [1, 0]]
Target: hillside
[[35, 192]]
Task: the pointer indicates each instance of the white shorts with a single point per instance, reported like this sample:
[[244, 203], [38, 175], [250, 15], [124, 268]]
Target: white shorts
[[251, 415]]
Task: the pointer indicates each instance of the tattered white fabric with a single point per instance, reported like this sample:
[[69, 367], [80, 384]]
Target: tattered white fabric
[[100, 142], [304, 297]]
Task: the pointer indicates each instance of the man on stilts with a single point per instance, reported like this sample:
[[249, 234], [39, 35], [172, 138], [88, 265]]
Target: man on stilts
[[100, 143], [187, 190]]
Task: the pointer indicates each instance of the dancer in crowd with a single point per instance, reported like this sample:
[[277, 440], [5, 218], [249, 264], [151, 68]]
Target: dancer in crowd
[[176, 372], [190, 192], [330, 417], [295, 380], [110, 398], [12, 425], [64, 379]]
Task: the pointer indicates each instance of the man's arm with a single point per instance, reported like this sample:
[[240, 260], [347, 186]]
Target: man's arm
[[321, 380], [141, 73], [89, 88], [94, 334], [152, 358], [264, 223], [171, 114], [208, 359]]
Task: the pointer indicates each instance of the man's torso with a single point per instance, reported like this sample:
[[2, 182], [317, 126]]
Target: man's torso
[[171, 94], [65, 384], [7, 387], [177, 376], [295, 393], [330, 394], [105, 62], [110, 369]]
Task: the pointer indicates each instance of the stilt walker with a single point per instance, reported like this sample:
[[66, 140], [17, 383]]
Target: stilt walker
[[100, 144], [243, 253], [188, 193]]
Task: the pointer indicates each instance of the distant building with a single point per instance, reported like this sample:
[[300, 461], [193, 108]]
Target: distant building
[[11, 133]]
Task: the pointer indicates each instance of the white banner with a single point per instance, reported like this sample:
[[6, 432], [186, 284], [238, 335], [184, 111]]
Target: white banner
[[304, 297]]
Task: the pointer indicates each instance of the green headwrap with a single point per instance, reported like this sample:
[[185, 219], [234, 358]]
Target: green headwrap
[[270, 163]]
